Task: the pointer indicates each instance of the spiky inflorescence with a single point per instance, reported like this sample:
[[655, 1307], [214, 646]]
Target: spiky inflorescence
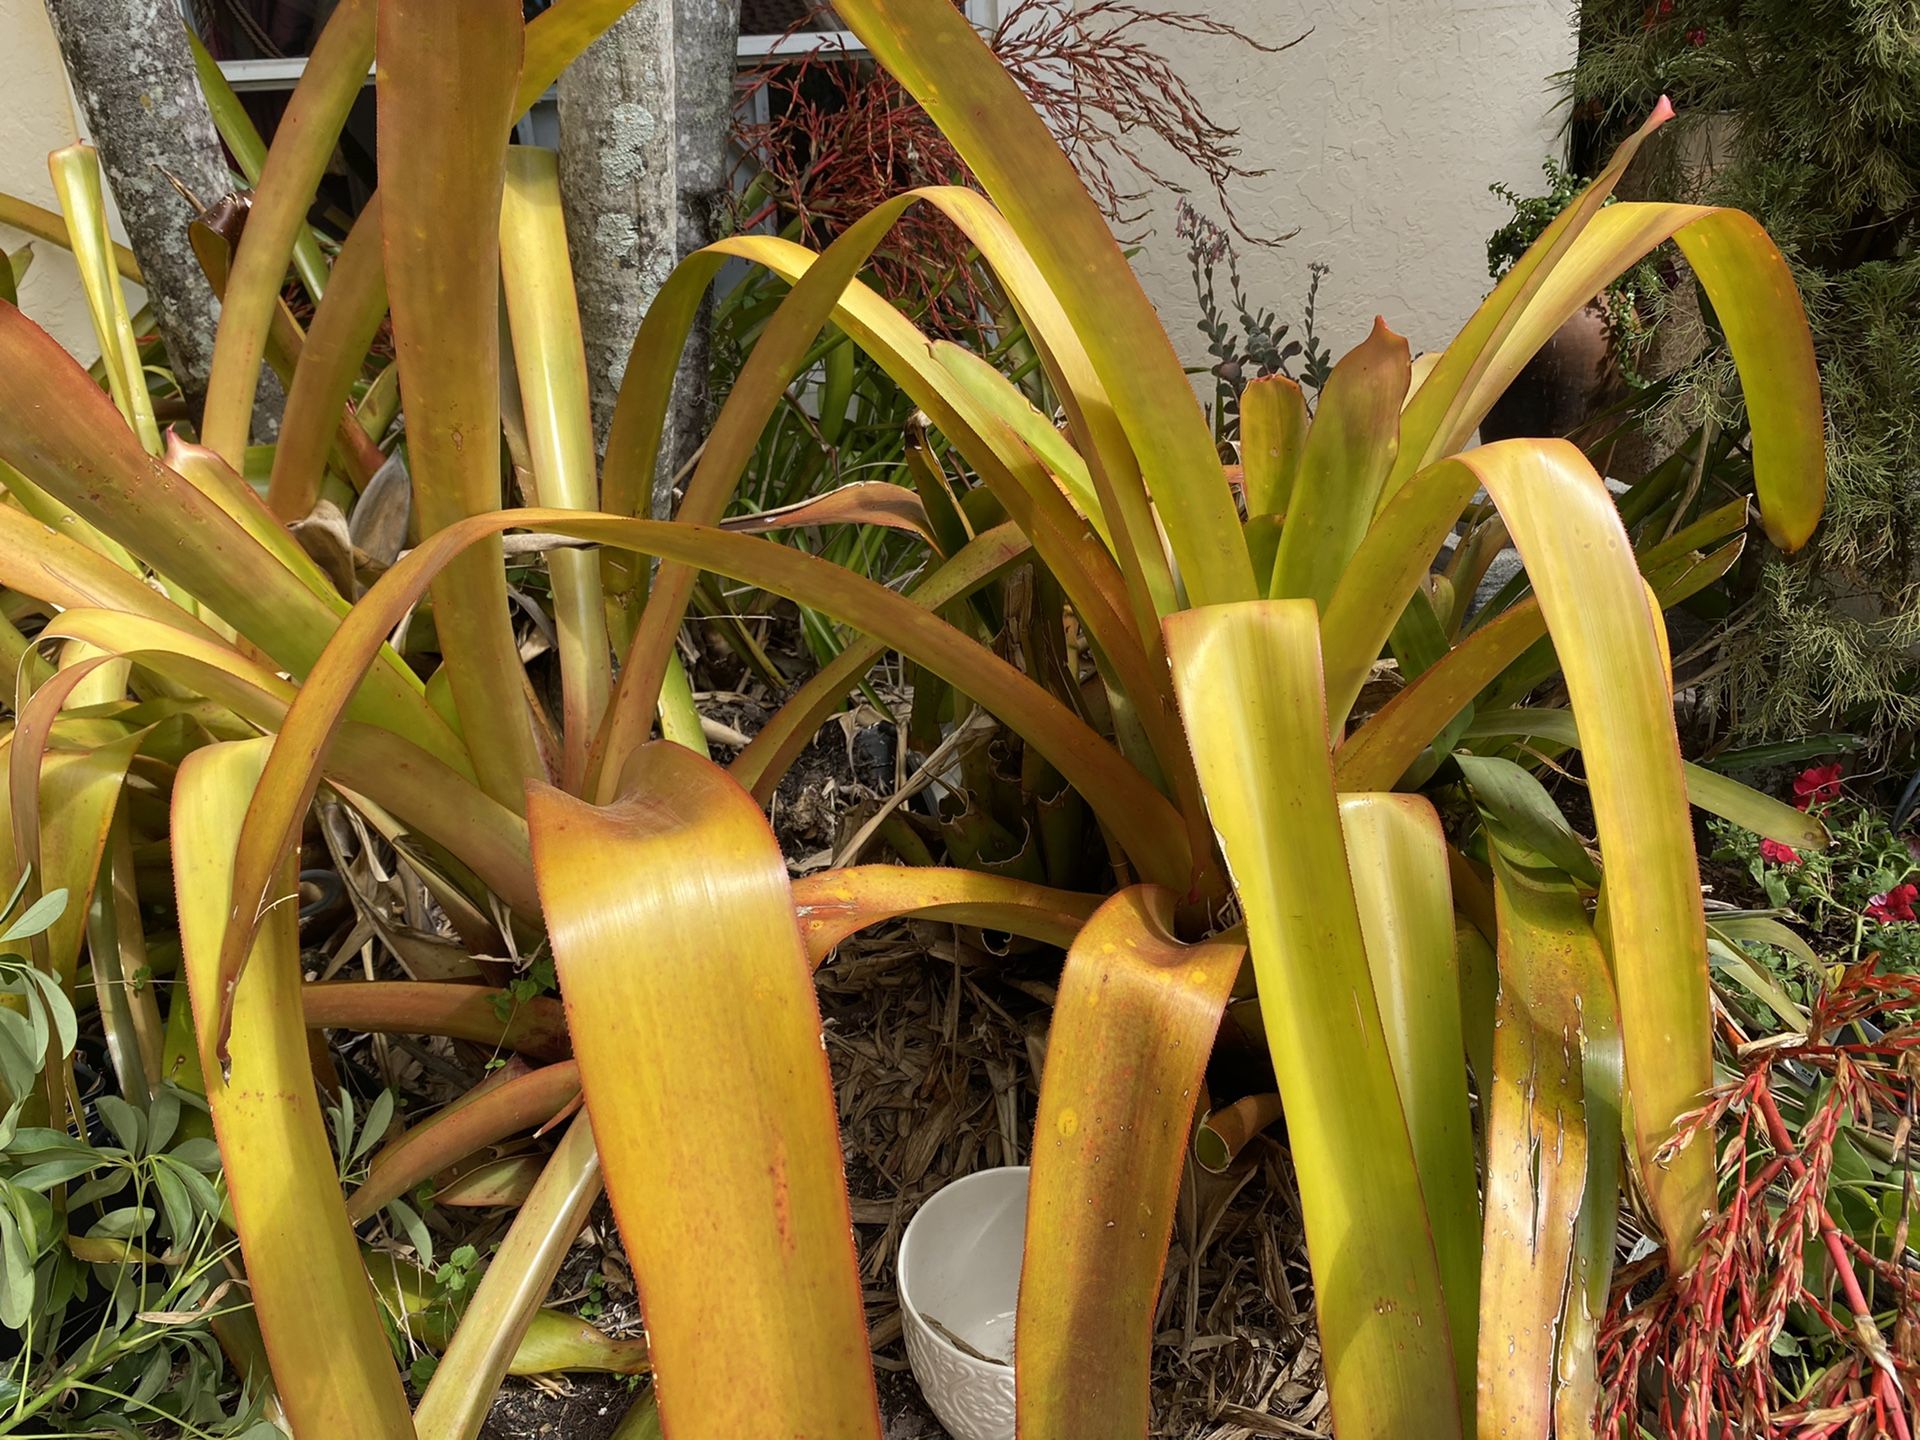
[[1811, 109], [1800, 1318], [842, 136]]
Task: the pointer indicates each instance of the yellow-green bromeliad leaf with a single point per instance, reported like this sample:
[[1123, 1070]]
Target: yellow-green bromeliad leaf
[[1249, 682]]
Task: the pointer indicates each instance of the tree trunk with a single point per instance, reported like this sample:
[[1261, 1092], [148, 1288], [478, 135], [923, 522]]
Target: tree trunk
[[706, 38], [617, 146], [134, 76]]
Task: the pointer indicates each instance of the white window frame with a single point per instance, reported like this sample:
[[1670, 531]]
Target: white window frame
[[284, 74], [983, 13]]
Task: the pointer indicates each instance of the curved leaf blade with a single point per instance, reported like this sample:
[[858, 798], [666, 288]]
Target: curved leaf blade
[[447, 72], [344, 324], [1132, 1028], [308, 1285], [931, 49], [1572, 543], [1145, 823], [837, 903], [1249, 682], [303, 144], [691, 1005], [462, 1129]]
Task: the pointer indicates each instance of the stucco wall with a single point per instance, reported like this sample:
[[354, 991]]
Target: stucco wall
[[37, 115], [1382, 130]]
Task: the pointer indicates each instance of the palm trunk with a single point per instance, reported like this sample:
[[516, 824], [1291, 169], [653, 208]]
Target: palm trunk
[[706, 37], [644, 120], [617, 147], [135, 80]]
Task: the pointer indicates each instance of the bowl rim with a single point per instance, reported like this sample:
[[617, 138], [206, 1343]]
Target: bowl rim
[[912, 1311]]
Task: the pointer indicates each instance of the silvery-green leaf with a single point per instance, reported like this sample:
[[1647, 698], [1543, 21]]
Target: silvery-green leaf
[[39, 915], [416, 1230], [379, 1117], [16, 1275]]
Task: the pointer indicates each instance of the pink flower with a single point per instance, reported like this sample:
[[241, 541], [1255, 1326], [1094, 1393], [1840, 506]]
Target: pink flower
[[1779, 854], [1817, 785], [1895, 905]]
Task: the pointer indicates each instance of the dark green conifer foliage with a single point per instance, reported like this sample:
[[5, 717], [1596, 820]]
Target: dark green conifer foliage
[[1810, 110]]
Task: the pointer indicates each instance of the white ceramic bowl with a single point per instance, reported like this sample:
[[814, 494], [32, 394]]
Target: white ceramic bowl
[[960, 1265]]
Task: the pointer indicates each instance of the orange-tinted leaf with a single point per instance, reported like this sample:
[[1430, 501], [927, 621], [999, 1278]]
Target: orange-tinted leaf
[[447, 74], [303, 1267], [344, 324], [691, 1002], [485, 1016], [1132, 1029], [520, 1103], [836, 903], [303, 144]]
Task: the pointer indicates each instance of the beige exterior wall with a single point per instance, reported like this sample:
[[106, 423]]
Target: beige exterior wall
[[37, 115], [1382, 130]]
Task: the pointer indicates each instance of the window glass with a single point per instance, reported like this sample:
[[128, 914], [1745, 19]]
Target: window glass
[[269, 29], [776, 17]]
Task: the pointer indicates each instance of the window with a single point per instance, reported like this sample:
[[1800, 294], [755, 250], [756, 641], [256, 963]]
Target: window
[[262, 45], [767, 27], [262, 48]]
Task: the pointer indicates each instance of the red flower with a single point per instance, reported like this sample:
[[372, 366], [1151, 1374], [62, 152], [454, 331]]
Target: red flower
[[1895, 905], [1779, 854], [1697, 36], [1817, 786]]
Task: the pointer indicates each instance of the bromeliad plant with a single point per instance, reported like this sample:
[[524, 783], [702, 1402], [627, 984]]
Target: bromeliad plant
[[187, 644]]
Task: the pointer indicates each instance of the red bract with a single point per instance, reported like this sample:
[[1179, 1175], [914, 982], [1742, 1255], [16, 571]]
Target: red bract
[[1779, 854], [1692, 1360], [1817, 785], [842, 137], [1896, 905]]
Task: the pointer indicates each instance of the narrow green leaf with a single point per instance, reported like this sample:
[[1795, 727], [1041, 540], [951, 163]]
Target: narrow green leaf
[[1348, 452], [1249, 683]]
